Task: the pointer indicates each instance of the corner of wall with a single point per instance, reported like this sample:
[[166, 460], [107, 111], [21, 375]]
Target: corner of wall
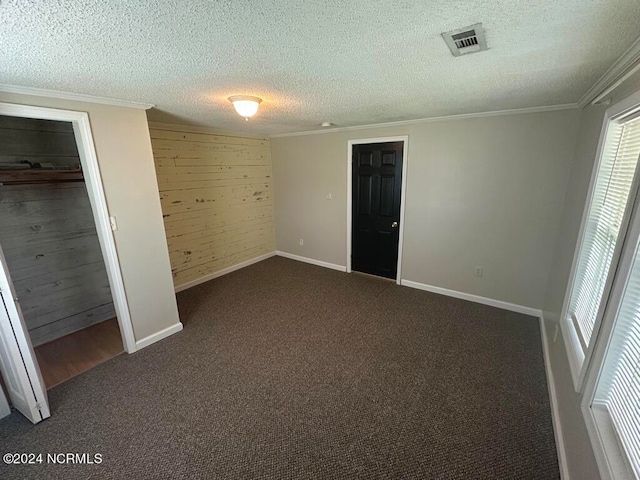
[[553, 402]]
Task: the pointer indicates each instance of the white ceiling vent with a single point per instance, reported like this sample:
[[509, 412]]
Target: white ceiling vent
[[466, 40]]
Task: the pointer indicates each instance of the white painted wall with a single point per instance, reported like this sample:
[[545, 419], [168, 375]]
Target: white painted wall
[[123, 147], [484, 191], [580, 460]]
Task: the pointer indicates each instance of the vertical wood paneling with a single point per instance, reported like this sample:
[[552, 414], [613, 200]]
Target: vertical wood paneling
[[217, 199]]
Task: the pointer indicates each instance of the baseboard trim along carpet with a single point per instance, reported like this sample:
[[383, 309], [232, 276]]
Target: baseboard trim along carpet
[[534, 312], [156, 337], [224, 271], [473, 298], [312, 261], [555, 412]]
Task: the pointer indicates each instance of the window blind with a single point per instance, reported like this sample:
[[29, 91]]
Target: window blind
[[602, 232], [619, 385]]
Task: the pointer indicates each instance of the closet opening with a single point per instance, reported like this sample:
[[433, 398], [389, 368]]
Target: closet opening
[[52, 248]]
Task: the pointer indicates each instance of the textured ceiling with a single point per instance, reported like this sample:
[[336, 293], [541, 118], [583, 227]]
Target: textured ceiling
[[349, 62]]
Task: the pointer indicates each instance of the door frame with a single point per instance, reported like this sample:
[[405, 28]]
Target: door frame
[[97, 199], [403, 195]]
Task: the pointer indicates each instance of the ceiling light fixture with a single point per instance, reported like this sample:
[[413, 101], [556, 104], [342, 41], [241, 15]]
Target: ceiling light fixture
[[245, 105], [326, 124]]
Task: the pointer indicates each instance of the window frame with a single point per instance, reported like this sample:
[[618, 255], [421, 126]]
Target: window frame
[[580, 360], [604, 438]]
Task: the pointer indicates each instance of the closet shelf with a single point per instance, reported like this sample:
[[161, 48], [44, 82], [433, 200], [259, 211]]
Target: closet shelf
[[36, 175]]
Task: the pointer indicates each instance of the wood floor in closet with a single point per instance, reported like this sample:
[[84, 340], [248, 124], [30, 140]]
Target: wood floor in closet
[[68, 356]]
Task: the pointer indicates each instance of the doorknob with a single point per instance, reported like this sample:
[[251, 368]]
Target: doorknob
[[394, 225]]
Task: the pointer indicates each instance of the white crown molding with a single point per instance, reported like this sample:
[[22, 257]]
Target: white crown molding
[[208, 130], [623, 68], [460, 116], [78, 97]]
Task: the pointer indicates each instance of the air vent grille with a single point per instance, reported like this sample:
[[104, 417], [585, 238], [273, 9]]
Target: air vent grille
[[466, 40]]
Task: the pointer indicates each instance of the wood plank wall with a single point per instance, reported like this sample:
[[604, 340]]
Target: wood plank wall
[[48, 235], [216, 195]]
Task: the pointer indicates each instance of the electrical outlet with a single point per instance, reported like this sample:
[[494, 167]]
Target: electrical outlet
[[478, 271], [301, 242]]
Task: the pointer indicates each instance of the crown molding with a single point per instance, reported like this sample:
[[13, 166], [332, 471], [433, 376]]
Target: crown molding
[[78, 97], [626, 65], [461, 116], [172, 127]]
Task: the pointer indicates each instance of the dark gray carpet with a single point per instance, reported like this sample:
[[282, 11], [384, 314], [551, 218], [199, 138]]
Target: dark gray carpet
[[290, 371]]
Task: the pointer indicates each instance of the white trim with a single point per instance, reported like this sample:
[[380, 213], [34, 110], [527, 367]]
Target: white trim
[[579, 366], [77, 97], [534, 312], [206, 130], [5, 409], [626, 65], [461, 116], [553, 400], [403, 193], [156, 337], [95, 190], [612, 465], [224, 271], [600, 433], [574, 351], [312, 261]]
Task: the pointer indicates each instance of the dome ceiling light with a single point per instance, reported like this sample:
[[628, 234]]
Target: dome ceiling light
[[245, 105]]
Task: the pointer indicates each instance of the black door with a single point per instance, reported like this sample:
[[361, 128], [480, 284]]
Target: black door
[[377, 189]]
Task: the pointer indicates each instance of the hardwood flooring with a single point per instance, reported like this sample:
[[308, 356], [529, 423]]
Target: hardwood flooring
[[68, 356]]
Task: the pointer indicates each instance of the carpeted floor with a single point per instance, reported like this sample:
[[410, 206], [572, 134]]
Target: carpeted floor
[[290, 371]]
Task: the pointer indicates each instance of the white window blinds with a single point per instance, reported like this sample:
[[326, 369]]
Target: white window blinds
[[618, 389], [602, 231]]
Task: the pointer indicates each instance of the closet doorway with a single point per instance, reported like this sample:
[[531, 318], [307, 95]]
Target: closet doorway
[[58, 253]]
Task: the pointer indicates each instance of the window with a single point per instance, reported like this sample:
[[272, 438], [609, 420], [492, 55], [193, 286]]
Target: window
[[602, 308], [611, 403], [604, 230], [616, 400]]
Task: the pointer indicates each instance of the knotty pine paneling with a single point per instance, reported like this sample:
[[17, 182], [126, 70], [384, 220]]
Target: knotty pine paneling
[[217, 199]]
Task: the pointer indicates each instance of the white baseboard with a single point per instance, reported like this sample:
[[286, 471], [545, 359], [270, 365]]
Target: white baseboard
[[534, 312], [156, 337], [555, 412], [312, 261], [224, 271]]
